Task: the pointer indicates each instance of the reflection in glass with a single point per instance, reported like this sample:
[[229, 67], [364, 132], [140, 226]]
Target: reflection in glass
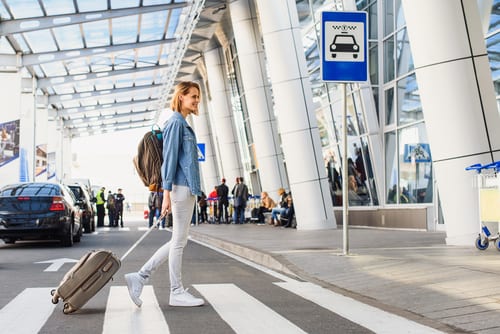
[[404, 59], [409, 105], [389, 59], [391, 168], [415, 165], [390, 116]]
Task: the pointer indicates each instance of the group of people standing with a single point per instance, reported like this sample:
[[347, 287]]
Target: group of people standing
[[219, 199], [113, 203]]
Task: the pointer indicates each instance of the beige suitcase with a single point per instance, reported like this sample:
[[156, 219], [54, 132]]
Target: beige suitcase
[[90, 275], [85, 279]]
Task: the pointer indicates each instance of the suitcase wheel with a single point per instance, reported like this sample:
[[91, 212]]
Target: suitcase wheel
[[55, 297], [67, 308]]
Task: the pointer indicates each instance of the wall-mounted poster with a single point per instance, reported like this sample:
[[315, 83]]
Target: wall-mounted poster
[[41, 159], [51, 165], [9, 141]]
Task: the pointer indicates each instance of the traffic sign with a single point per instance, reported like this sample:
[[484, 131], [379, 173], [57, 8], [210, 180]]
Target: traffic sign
[[344, 51], [201, 151]]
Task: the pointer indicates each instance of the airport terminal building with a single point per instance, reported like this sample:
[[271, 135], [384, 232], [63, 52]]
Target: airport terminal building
[[428, 109]]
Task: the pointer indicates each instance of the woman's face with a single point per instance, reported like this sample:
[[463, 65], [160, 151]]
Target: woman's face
[[190, 101]]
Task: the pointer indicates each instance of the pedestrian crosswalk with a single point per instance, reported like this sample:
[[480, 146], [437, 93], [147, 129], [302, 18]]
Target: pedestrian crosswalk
[[241, 311]]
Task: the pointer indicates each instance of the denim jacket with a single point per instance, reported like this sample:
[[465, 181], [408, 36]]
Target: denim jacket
[[180, 155]]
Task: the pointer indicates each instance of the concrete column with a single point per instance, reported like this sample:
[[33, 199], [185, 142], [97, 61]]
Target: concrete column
[[204, 135], [295, 113], [458, 100], [258, 97], [222, 117]]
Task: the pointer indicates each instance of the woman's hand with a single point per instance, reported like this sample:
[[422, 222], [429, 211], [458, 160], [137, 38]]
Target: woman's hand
[[166, 205]]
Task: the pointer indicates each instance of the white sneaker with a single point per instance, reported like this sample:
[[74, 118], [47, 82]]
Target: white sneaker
[[184, 298], [135, 283]]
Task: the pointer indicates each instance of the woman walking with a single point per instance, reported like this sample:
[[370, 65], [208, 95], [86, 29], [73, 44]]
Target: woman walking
[[181, 185]]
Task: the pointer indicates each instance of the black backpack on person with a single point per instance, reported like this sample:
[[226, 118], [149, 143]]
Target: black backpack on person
[[149, 158]]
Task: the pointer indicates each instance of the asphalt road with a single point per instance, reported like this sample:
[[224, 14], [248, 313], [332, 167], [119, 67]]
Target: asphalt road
[[240, 298]]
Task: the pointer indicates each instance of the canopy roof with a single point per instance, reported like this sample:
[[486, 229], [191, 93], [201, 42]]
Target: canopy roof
[[104, 65]]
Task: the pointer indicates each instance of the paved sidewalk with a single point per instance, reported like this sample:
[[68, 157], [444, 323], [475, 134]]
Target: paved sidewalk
[[410, 273]]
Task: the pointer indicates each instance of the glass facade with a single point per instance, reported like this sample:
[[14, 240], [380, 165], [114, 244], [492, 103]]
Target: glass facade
[[390, 115]]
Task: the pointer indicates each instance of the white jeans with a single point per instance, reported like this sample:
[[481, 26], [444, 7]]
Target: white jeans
[[182, 211]]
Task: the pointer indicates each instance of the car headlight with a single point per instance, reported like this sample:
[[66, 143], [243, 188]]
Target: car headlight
[[355, 47]]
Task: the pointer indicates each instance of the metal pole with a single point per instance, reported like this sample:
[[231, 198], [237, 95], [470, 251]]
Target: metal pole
[[345, 200]]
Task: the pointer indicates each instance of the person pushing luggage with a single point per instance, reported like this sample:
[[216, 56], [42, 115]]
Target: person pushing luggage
[[181, 184]]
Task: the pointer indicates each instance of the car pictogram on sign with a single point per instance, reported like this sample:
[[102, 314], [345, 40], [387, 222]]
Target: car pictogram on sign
[[344, 42]]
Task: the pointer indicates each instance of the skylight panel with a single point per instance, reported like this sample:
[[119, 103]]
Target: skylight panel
[[25, 8], [96, 33], [92, 5], [68, 37], [40, 41], [152, 26], [53, 69], [125, 29], [5, 47], [58, 7], [124, 3], [3, 12], [174, 22]]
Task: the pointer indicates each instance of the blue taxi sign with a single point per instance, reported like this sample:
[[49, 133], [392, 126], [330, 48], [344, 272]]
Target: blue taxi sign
[[344, 51]]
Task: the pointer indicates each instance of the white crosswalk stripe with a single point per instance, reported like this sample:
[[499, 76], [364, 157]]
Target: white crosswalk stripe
[[238, 309], [34, 303], [243, 313], [123, 317], [365, 315]]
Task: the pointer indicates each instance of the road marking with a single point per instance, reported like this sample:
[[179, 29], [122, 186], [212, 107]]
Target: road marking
[[122, 316], [365, 315], [34, 304], [243, 313]]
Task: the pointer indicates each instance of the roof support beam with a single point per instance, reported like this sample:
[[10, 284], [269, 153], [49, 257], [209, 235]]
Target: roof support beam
[[74, 111], [98, 93], [48, 57], [79, 121], [10, 27], [69, 79], [135, 125]]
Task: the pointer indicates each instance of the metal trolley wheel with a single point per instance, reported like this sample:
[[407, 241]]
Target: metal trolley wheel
[[482, 244]]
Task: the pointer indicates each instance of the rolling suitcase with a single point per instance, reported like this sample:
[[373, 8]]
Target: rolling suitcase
[[88, 276]]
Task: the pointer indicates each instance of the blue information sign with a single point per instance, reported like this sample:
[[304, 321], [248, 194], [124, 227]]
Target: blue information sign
[[201, 151], [344, 51]]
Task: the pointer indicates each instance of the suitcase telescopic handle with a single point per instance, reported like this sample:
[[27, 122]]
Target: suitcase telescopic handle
[[154, 226]]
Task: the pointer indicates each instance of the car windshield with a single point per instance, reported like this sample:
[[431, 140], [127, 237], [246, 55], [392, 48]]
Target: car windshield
[[30, 189], [344, 39]]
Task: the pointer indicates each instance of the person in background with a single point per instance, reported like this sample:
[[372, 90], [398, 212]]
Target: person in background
[[99, 204], [202, 203], [110, 205], [119, 199], [223, 202], [266, 205], [181, 184], [280, 209], [240, 201]]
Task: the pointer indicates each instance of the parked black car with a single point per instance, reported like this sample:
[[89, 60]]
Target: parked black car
[[88, 214], [39, 210]]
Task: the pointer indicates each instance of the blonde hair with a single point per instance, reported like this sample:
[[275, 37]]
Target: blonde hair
[[281, 191], [182, 88]]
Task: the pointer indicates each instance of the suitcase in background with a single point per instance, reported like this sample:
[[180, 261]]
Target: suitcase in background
[[87, 277]]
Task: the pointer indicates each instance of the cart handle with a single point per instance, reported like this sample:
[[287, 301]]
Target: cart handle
[[478, 167]]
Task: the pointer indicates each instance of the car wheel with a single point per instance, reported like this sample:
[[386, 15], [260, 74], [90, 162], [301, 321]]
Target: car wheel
[[67, 240], [87, 225], [9, 241], [78, 236]]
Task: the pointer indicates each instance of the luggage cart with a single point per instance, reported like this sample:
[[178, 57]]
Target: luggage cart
[[487, 182]]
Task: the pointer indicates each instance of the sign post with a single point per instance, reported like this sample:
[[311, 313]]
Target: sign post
[[344, 59]]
